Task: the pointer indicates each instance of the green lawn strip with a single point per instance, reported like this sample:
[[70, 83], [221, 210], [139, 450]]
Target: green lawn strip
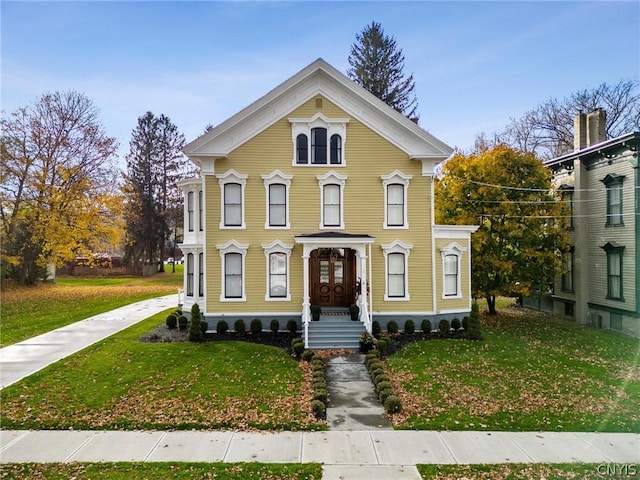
[[32, 311], [122, 384], [140, 471], [517, 471], [532, 372]]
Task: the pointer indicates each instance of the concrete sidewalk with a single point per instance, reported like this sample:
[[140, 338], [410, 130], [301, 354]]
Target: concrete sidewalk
[[395, 452], [25, 358]]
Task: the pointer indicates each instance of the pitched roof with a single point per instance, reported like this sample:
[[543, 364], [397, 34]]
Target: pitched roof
[[319, 77]]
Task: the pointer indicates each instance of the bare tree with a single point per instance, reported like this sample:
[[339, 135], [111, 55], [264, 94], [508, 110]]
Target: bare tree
[[547, 130]]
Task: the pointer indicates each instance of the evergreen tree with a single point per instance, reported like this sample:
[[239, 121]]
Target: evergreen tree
[[153, 167], [377, 64], [473, 330], [194, 333]]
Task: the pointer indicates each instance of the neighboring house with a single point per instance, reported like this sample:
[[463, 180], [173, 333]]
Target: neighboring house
[[320, 194], [601, 184]]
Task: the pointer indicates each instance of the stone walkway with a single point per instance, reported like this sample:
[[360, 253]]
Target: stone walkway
[[353, 402]]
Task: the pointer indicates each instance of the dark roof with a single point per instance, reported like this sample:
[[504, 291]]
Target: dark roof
[[333, 235], [603, 147]]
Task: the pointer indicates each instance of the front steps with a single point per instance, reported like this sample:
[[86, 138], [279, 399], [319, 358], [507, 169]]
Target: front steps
[[335, 329]]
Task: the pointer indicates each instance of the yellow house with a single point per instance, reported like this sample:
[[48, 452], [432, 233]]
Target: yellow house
[[319, 194]]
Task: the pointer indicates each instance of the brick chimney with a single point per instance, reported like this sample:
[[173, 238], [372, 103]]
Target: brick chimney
[[579, 132], [596, 122]]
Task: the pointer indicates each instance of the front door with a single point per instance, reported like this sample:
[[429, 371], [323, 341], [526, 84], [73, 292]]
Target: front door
[[332, 277]]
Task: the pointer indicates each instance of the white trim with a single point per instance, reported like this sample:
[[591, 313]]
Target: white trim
[[318, 78], [252, 314], [454, 231], [277, 247], [277, 178], [333, 126], [331, 178], [396, 178], [232, 247], [231, 176], [457, 251], [454, 310], [397, 246]]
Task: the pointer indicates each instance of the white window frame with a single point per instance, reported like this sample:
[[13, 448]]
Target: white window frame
[[277, 247], [333, 126], [277, 178], [232, 176], [232, 247], [457, 251], [396, 246], [200, 211], [331, 178], [396, 178], [201, 274], [190, 212], [190, 268]]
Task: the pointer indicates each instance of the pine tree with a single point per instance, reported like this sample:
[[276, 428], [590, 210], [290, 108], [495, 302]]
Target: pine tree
[[153, 167], [377, 64], [195, 329], [473, 331]]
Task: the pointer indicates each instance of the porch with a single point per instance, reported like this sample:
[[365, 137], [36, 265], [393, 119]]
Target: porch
[[335, 329]]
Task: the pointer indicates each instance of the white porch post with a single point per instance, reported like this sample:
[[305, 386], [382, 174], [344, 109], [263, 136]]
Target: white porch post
[[370, 296], [364, 300], [305, 297]]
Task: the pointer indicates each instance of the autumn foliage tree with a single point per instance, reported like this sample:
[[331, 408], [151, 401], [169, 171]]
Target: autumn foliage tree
[[58, 188], [153, 201], [516, 250]]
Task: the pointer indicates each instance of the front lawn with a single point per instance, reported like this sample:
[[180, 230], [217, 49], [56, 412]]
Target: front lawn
[[143, 471], [515, 471], [531, 372], [30, 311], [123, 384]]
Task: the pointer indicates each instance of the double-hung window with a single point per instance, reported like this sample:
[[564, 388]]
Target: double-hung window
[[277, 190], [319, 146], [567, 274], [200, 210], [232, 186], [613, 184], [232, 255], [201, 274], [331, 200], [277, 255], [614, 270], [395, 198], [451, 270], [190, 211], [397, 271], [190, 268]]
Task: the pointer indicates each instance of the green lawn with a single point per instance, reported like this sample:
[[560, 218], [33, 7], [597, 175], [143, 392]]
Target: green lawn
[[531, 372], [123, 384], [159, 471], [30, 311]]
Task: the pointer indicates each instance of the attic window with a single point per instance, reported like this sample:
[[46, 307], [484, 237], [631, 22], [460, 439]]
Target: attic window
[[318, 140]]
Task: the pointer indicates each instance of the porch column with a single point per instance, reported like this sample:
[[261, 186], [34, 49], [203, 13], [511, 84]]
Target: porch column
[[305, 297], [364, 282]]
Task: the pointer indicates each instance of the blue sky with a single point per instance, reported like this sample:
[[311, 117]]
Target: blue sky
[[475, 64]]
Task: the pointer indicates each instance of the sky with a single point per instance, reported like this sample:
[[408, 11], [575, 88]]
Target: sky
[[476, 64]]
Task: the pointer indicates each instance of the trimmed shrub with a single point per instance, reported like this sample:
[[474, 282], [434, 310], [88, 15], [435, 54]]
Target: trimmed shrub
[[409, 327], [182, 322], [383, 386], [317, 368], [316, 375], [204, 326], [256, 325], [371, 356], [318, 408], [443, 326], [308, 355], [320, 395], [296, 340], [384, 394], [195, 333], [383, 346], [319, 384], [382, 377], [172, 321], [274, 326], [375, 365], [375, 328], [455, 324], [392, 326], [392, 404], [292, 326], [317, 362], [473, 332], [222, 327], [239, 326], [425, 326], [298, 348], [376, 371], [465, 323]]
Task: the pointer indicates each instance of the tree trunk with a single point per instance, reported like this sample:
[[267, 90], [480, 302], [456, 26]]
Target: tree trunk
[[491, 303]]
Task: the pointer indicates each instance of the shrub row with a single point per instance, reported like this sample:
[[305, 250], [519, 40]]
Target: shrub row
[[382, 383], [255, 326], [445, 328], [320, 392]]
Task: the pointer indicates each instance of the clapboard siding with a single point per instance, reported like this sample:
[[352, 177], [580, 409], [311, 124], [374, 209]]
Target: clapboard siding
[[600, 234], [367, 157]]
